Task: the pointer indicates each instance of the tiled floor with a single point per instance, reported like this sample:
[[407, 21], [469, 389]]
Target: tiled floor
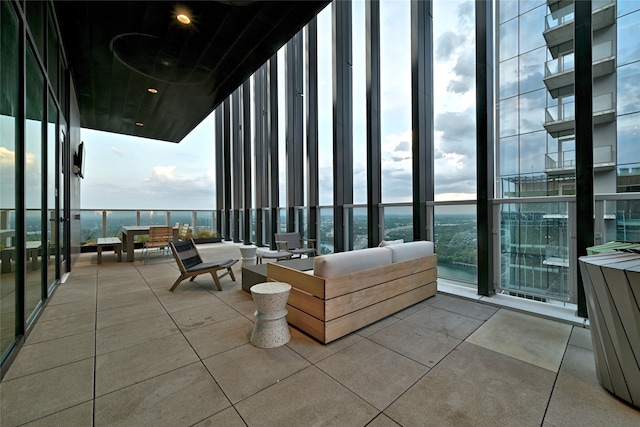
[[115, 347]]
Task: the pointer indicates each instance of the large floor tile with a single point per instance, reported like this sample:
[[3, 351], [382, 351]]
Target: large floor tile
[[181, 397], [216, 338], [52, 353], [59, 311], [535, 340], [41, 394], [445, 322], [308, 398], [578, 395], [246, 370], [108, 301], [373, 372], [189, 296], [419, 343], [79, 415], [315, 351], [474, 386], [465, 307], [227, 418], [203, 315], [62, 327], [137, 363], [129, 313], [127, 334]]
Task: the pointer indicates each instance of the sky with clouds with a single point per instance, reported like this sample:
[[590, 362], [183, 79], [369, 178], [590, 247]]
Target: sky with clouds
[[124, 172]]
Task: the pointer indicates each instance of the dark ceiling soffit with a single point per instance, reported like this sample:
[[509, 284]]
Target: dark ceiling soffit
[[116, 50]]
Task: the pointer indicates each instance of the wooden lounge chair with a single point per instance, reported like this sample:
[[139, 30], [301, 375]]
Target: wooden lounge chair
[[191, 264]]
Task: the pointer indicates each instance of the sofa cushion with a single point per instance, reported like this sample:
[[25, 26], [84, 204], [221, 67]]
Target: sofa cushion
[[390, 242], [340, 263], [410, 250]]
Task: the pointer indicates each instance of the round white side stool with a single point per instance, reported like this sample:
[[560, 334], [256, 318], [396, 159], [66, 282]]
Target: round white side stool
[[271, 329], [248, 254]]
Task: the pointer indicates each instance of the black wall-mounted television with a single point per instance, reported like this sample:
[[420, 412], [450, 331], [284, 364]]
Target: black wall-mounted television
[[79, 160]]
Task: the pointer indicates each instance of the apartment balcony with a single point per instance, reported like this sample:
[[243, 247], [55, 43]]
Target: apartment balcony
[[559, 23], [561, 119], [560, 72], [557, 256], [564, 162]]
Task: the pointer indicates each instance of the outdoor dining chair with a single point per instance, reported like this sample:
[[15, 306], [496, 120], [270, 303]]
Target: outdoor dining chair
[[294, 244], [159, 238]]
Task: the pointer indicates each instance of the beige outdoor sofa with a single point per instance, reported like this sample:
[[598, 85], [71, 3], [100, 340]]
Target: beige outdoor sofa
[[349, 290]]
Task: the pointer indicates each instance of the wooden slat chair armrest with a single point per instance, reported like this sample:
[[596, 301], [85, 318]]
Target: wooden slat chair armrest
[[282, 245]]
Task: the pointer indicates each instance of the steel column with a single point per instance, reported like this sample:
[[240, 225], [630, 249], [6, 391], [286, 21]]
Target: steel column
[[374, 139], [484, 145], [342, 122], [584, 138]]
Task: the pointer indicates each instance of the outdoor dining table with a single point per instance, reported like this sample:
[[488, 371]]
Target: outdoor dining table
[[129, 233]]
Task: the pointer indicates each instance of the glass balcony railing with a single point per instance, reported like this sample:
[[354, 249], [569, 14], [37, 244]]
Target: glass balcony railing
[[534, 249], [535, 242], [566, 62], [566, 14], [567, 111], [559, 17], [567, 159], [108, 223]]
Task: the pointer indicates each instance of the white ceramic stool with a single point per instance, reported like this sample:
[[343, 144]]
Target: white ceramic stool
[[271, 329], [248, 253]]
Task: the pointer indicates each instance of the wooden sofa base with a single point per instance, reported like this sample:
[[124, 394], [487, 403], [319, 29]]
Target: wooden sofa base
[[319, 309]]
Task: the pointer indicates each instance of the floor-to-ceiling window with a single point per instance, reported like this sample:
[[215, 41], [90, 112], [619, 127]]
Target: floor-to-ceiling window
[[9, 81], [33, 182], [325, 130], [454, 225]]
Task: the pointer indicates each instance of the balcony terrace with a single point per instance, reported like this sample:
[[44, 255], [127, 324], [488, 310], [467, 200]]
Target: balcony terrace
[[560, 72], [561, 119], [114, 347], [559, 22]]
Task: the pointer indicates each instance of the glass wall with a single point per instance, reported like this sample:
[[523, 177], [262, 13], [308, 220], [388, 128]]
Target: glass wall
[[325, 108], [30, 163], [395, 100], [628, 101], [9, 81], [33, 181]]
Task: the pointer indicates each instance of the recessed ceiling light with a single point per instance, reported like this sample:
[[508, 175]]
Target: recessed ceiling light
[[139, 124], [183, 18], [152, 90]]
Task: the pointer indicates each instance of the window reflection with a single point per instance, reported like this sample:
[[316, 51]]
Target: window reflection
[[509, 39], [532, 152], [33, 183], [509, 78], [507, 10], [509, 116], [628, 89], [509, 156], [628, 139], [628, 47], [531, 29], [531, 70], [532, 106]]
